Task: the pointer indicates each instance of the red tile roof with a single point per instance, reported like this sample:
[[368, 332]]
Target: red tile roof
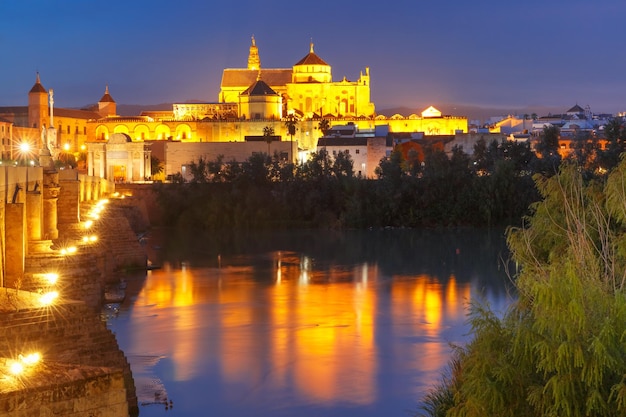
[[233, 77]]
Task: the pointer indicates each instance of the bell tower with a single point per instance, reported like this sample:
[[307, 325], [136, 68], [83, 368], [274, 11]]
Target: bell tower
[[37, 105], [106, 105], [254, 62]]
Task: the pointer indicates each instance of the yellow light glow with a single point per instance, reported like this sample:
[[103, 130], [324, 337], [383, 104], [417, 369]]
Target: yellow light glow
[[48, 298], [69, 250], [90, 239], [66, 147], [16, 368], [24, 147], [31, 359], [88, 224], [51, 277]]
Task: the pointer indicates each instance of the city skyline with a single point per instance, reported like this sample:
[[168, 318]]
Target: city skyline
[[544, 55]]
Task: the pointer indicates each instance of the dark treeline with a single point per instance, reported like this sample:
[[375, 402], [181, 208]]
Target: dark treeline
[[492, 187]]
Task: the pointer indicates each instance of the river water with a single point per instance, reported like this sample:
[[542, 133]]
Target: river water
[[302, 323]]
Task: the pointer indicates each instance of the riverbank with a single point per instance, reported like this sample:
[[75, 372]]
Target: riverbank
[[53, 314]]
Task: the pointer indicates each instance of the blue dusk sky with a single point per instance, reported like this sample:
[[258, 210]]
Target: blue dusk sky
[[489, 53]]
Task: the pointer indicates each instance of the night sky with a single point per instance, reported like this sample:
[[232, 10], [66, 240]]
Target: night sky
[[490, 53]]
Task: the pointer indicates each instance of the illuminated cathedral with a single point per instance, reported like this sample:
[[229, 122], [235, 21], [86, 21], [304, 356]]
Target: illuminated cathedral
[[250, 100], [307, 89]]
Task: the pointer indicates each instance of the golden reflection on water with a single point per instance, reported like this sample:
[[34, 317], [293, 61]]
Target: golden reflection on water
[[308, 329]]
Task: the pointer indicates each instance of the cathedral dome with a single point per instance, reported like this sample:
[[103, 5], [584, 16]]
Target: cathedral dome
[[311, 59], [311, 69]]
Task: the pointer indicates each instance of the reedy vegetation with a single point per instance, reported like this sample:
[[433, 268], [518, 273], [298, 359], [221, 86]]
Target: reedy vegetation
[[560, 350]]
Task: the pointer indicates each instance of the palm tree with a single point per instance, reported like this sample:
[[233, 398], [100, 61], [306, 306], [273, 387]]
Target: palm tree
[[324, 126], [291, 123], [268, 134]]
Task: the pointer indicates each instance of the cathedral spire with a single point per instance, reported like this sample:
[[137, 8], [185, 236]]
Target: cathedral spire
[[254, 62], [38, 88]]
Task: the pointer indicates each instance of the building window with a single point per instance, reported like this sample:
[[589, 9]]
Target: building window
[[84, 130], [76, 130], [347, 152], [68, 129], [357, 151]]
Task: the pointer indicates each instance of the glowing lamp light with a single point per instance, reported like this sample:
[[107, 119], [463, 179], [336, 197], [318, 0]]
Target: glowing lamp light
[[66, 147], [51, 277], [16, 368], [48, 298], [88, 224], [90, 239], [31, 359], [69, 250], [24, 147]]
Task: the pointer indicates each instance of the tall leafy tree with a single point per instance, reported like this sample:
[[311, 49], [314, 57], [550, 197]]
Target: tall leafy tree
[[561, 348]]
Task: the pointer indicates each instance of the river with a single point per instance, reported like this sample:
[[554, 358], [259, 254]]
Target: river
[[302, 323]]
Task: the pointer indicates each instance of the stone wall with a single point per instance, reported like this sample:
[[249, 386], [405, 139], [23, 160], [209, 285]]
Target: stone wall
[[144, 198], [83, 373], [70, 335], [68, 391]]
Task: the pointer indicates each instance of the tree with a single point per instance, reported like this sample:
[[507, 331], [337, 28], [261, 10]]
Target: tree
[[390, 169], [324, 126], [268, 135], [548, 145], [615, 135], [548, 149], [343, 166], [560, 349], [156, 166], [291, 124]]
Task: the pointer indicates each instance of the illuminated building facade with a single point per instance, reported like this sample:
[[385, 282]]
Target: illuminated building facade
[[70, 124], [250, 99], [307, 89]]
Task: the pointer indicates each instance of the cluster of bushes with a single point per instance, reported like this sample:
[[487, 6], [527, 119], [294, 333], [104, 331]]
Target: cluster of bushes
[[493, 186], [324, 192]]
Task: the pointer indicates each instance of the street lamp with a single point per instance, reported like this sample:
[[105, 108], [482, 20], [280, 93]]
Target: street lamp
[[24, 151]]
